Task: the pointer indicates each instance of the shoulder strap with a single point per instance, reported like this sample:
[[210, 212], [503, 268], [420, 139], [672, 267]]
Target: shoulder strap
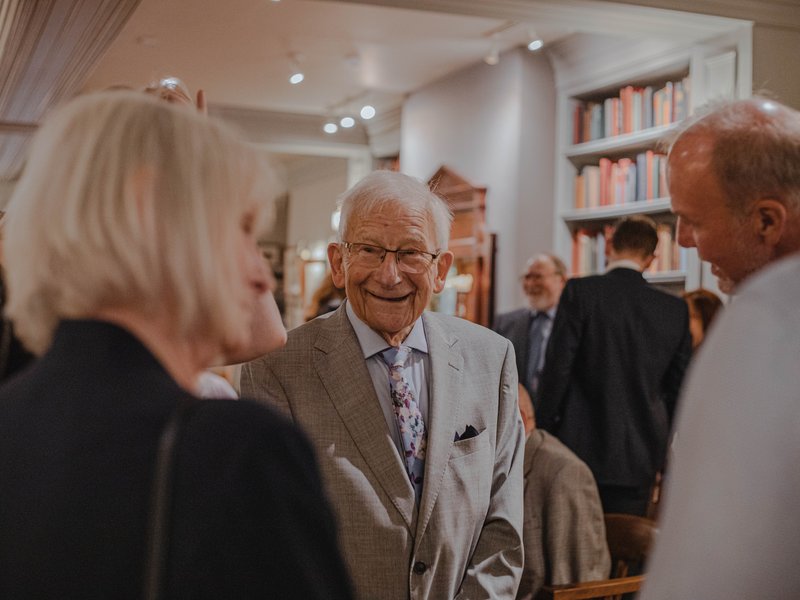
[[160, 497]]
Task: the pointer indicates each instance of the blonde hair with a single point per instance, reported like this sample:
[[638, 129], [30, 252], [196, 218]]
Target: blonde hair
[[128, 201]]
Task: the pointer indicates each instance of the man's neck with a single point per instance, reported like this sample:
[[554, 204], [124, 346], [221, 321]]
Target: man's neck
[[630, 257]]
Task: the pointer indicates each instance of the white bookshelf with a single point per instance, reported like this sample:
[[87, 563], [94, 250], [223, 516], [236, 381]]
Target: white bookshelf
[[719, 67]]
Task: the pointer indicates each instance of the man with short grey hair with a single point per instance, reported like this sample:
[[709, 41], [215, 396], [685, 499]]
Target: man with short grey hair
[[413, 414]]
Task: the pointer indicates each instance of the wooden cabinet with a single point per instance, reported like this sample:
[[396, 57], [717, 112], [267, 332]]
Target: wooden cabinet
[[472, 280]]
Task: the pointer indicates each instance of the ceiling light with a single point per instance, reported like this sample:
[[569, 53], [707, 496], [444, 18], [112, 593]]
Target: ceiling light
[[535, 44], [367, 111], [493, 57], [330, 127], [296, 78], [347, 122]]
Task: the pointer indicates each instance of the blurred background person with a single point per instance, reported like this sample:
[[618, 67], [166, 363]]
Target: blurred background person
[[564, 533], [703, 307], [326, 298], [529, 328], [222, 381], [144, 271]]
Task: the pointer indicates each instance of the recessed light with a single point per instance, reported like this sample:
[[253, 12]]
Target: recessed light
[[330, 127], [296, 78], [367, 111], [347, 122], [535, 45]]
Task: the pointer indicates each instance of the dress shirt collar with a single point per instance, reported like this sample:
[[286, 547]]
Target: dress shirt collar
[[624, 264], [372, 343]]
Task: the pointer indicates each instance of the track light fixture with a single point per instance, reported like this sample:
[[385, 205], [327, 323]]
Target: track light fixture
[[535, 42], [297, 75]]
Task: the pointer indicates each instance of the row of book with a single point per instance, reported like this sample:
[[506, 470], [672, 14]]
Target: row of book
[[627, 180], [635, 109], [589, 251]]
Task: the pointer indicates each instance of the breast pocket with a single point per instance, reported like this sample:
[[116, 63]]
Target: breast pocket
[[469, 446]]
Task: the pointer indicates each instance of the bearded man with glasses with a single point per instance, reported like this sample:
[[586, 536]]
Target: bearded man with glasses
[[413, 414]]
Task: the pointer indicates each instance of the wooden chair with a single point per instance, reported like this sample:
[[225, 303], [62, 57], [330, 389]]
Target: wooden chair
[[629, 541]]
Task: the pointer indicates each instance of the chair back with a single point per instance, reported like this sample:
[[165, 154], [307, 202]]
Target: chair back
[[630, 539]]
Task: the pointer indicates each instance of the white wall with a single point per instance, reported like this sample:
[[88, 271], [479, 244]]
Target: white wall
[[775, 53], [314, 186], [6, 189], [495, 126]]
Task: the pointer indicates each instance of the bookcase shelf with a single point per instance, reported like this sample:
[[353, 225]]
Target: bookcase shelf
[[620, 145], [577, 216]]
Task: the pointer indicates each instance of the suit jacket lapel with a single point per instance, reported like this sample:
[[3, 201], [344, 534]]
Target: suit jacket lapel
[[443, 412], [339, 362]]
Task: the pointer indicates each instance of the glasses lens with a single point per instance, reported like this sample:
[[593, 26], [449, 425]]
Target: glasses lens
[[412, 261]]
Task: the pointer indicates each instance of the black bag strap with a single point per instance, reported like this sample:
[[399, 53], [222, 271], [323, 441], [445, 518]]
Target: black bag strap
[[158, 524], [5, 346]]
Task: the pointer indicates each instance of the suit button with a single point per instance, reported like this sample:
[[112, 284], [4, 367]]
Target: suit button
[[420, 567]]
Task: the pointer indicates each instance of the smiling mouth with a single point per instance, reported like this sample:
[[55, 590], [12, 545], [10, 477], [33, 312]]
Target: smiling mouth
[[387, 299]]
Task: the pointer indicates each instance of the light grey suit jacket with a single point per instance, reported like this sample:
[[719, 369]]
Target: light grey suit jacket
[[465, 540], [564, 532]]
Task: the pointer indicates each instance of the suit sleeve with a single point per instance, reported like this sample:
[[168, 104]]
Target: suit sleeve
[[673, 379], [562, 350], [575, 535], [257, 381], [496, 564]]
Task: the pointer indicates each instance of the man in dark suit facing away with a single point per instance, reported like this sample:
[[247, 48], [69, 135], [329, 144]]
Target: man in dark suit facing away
[[613, 370]]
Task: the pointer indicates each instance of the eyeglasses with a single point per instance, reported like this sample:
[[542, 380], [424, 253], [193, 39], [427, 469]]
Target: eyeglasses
[[538, 276], [408, 260]]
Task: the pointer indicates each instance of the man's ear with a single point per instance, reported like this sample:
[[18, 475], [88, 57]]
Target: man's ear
[[443, 264], [647, 260], [336, 260], [769, 220]]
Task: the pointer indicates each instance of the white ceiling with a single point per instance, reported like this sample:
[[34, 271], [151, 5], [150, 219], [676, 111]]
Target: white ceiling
[[239, 51]]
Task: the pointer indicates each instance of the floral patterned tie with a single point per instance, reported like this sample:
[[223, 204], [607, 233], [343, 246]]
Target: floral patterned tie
[[409, 417]]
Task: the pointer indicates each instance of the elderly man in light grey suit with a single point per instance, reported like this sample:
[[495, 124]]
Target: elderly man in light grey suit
[[413, 414]]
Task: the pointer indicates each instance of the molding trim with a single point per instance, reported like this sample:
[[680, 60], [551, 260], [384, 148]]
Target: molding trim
[[591, 16]]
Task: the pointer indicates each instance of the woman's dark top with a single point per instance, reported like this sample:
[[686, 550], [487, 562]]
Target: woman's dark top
[[78, 437]]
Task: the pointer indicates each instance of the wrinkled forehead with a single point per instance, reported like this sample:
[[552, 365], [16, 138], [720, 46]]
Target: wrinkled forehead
[[394, 212]]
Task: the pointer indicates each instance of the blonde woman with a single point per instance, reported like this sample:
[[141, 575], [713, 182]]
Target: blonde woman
[[132, 265]]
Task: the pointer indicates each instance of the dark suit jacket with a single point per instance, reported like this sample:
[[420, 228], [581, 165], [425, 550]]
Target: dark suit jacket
[[78, 436], [613, 370], [515, 327]]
